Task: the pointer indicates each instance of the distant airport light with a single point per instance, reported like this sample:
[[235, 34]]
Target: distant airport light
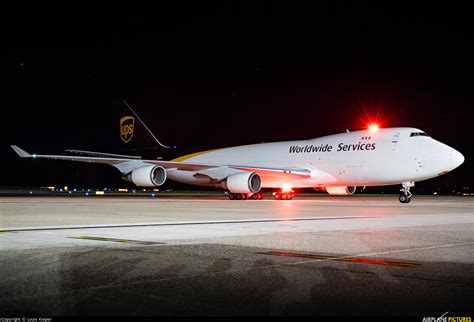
[[34, 155], [373, 128], [99, 192]]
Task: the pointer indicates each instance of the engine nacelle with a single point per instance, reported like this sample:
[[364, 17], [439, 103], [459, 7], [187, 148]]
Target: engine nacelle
[[341, 191], [243, 183], [147, 176]]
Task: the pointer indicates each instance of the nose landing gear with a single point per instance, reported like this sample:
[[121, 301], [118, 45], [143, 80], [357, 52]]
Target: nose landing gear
[[405, 194]]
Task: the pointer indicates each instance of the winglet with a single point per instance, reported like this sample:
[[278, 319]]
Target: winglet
[[22, 153]]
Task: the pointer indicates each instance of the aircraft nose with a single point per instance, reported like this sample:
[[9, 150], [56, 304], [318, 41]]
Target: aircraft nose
[[456, 158]]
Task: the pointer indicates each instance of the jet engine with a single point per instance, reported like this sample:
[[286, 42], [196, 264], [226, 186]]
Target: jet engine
[[341, 191], [147, 176], [248, 182]]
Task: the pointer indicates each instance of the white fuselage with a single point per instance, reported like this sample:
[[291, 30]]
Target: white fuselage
[[360, 158]]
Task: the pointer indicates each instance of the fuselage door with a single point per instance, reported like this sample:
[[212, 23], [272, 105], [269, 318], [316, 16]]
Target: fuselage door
[[395, 137]]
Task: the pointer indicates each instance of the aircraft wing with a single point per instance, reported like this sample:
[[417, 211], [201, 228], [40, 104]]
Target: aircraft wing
[[126, 165]]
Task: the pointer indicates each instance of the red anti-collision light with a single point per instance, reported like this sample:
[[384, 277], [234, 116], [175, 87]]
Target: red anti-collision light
[[373, 128]]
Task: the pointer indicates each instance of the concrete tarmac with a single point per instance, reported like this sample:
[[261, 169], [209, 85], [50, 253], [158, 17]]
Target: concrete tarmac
[[316, 255]]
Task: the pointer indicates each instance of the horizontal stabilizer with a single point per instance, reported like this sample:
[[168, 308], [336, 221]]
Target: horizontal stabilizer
[[22, 153]]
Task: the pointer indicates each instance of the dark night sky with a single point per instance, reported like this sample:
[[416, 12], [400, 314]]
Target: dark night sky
[[228, 73]]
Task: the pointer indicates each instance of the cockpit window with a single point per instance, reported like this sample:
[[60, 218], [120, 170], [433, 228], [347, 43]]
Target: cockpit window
[[418, 134]]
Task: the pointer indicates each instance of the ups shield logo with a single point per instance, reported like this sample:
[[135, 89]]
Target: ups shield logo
[[127, 124]]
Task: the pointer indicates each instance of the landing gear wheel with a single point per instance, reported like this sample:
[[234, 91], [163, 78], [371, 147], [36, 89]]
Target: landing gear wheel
[[231, 196], [404, 198], [261, 196], [283, 195], [238, 196], [245, 196], [288, 196]]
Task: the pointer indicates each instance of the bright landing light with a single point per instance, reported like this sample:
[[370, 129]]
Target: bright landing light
[[373, 128]]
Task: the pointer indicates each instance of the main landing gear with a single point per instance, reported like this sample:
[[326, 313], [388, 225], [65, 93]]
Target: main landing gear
[[405, 194], [283, 194], [289, 195], [245, 196]]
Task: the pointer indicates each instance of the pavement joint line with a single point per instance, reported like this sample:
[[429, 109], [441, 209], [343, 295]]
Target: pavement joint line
[[118, 240], [354, 259], [387, 252], [190, 223]]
